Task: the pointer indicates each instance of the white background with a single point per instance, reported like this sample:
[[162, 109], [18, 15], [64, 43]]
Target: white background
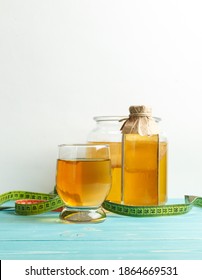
[[64, 61]]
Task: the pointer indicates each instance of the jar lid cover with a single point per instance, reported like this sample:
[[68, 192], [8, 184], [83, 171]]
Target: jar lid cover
[[140, 121]]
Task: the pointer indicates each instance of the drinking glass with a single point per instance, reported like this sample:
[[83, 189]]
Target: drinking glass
[[83, 181]]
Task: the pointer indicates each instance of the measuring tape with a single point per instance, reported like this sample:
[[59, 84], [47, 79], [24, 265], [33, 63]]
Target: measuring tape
[[32, 203], [152, 211]]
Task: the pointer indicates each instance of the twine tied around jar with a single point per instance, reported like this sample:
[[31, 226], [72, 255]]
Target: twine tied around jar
[[140, 121]]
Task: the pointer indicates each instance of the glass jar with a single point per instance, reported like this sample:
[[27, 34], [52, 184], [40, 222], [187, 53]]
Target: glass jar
[[163, 162], [108, 131]]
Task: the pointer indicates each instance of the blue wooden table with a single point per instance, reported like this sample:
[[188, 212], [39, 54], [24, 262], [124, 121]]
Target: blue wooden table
[[45, 237]]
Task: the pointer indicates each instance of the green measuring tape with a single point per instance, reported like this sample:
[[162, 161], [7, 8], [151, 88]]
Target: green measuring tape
[[32, 203], [153, 211]]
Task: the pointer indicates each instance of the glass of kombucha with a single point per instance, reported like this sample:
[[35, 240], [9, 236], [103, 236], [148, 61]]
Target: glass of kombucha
[[83, 181]]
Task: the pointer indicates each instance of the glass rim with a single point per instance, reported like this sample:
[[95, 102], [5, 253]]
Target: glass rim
[[116, 118], [84, 145]]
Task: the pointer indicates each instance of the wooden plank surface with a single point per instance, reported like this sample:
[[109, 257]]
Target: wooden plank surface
[[45, 237]]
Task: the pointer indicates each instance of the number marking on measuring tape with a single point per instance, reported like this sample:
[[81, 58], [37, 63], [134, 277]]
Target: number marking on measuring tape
[[32, 203]]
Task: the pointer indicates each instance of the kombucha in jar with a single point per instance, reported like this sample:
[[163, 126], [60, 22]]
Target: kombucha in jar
[[148, 168], [144, 159], [140, 170], [108, 131], [163, 151]]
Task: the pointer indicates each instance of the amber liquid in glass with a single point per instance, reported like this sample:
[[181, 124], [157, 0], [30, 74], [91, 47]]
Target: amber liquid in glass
[[115, 156], [163, 172], [140, 170], [83, 183], [115, 153]]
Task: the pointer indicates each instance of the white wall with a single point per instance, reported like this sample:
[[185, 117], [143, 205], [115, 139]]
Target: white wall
[[64, 61]]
